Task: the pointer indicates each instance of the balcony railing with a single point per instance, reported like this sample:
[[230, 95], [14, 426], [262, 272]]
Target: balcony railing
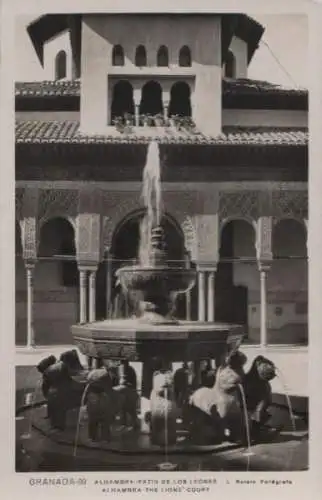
[[127, 122]]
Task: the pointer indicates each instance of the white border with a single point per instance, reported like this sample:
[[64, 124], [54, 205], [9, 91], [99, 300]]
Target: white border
[[305, 483]]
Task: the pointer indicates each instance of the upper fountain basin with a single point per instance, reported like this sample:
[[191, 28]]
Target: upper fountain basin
[[162, 280]]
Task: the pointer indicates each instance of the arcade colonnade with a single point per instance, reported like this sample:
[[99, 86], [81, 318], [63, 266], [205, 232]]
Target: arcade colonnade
[[206, 216]]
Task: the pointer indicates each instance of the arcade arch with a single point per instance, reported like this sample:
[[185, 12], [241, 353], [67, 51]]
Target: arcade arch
[[287, 283], [237, 273], [122, 100], [56, 276], [61, 65], [151, 100], [124, 250], [180, 102]]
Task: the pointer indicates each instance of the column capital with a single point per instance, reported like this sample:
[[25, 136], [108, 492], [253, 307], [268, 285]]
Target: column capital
[[137, 95], [264, 266], [207, 266], [87, 266], [30, 264]]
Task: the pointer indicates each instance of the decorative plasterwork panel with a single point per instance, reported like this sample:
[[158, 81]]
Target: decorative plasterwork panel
[[239, 204], [264, 238], [116, 206], [19, 196], [290, 204], [207, 234], [187, 224], [58, 203], [88, 235]]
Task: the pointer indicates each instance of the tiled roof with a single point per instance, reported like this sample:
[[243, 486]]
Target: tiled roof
[[47, 88], [72, 88], [67, 132]]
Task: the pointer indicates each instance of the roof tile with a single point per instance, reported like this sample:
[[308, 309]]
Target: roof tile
[[64, 132]]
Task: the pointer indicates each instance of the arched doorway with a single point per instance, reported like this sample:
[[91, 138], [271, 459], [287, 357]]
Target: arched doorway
[[151, 100], [124, 250], [56, 283], [180, 103], [118, 55], [122, 101], [61, 65], [21, 290], [230, 65], [185, 56], [140, 56], [287, 284], [237, 274], [163, 56]]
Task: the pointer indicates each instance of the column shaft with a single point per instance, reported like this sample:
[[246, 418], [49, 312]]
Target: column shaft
[[263, 307], [30, 307], [201, 296], [92, 296], [211, 296], [109, 286], [83, 295]]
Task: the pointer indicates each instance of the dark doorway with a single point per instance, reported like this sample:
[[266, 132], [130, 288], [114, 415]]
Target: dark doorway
[[118, 56], [180, 103], [163, 56], [122, 102], [151, 101], [140, 56], [61, 65], [237, 247], [230, 65], [185, 56]]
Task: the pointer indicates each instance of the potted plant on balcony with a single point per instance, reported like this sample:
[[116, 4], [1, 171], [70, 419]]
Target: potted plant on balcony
[[188, 124], [159, 120], [118, 123], [144, 119], [172, 120], [128, 118]]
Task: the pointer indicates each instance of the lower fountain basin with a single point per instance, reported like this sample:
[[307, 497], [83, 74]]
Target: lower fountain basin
[[137, 340]]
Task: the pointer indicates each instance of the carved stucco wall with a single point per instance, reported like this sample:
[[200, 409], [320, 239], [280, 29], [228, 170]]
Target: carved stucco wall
[[96, 214]]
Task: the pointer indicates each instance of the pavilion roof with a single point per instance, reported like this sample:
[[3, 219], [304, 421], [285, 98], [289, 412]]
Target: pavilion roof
[[236, 93]]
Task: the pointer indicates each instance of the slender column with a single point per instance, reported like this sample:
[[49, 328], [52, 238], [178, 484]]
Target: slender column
[[211, 296], [165, 100], [165, 109], [201, 296], [109, 285], [188, 294], [263, 308], [92, 296], [30, 305], [137, 94], [83, 295]]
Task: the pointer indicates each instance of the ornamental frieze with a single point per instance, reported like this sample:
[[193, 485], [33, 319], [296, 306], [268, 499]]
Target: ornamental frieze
[[57, 203], [237, 204], [290, 204], [19, 196]]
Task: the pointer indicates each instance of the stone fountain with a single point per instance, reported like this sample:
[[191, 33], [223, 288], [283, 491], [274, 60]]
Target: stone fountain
[[155, 338], [170, 409]]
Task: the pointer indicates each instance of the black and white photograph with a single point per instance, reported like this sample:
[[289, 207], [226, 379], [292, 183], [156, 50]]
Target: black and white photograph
[[161, 257]]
